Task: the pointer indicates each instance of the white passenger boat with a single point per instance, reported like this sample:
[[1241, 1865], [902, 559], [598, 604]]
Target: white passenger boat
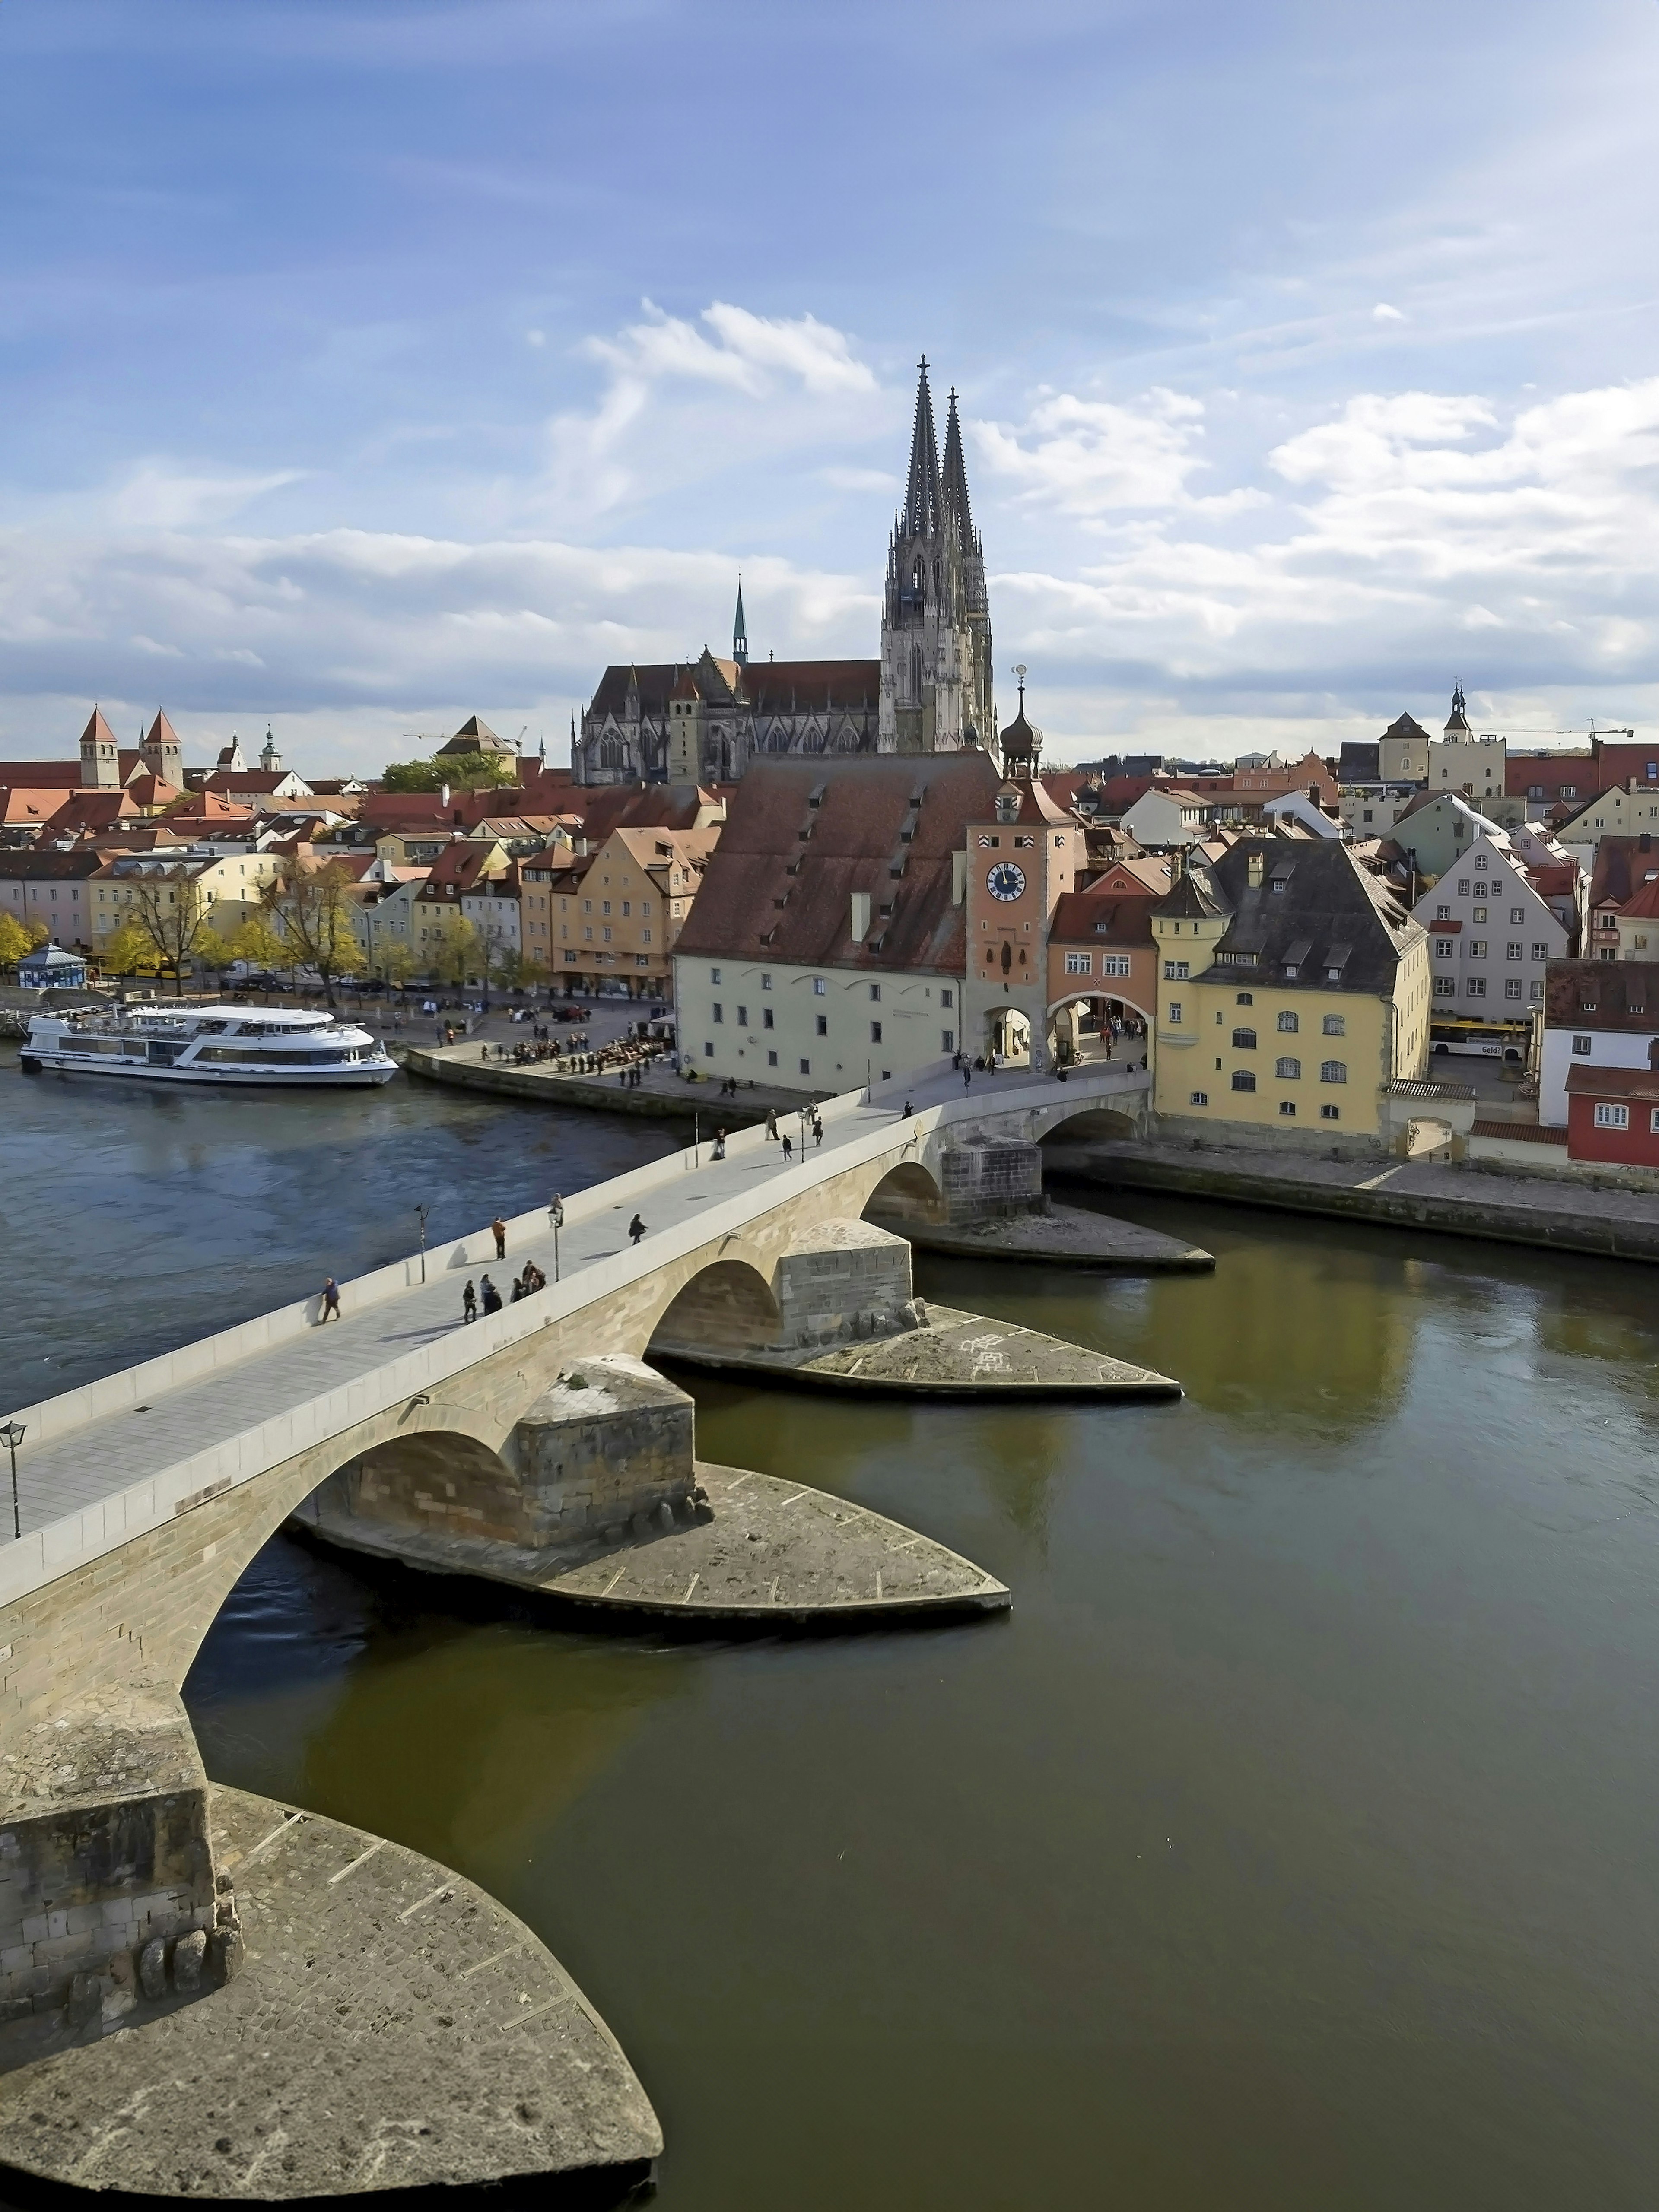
[[241, 1046]]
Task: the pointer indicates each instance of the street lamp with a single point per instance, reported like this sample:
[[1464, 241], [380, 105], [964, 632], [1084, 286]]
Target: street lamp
[[421, 1212], [11, 1436], [556, 1215]]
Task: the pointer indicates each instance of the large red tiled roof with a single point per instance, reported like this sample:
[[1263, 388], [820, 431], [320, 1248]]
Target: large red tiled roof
[[802, 836], [1089, 917]]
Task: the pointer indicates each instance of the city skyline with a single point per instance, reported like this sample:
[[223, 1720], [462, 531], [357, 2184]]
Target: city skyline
[[371, 366]]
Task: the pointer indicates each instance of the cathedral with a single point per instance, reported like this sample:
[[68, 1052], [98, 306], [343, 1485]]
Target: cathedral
[[703, 721]]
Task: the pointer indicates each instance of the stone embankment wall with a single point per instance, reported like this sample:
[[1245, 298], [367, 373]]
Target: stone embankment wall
[[1481, 1209]]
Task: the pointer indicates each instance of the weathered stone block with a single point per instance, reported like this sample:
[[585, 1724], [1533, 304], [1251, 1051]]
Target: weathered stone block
[[152, 1968], [189, 1956], [999, 1177], [839, 1281]]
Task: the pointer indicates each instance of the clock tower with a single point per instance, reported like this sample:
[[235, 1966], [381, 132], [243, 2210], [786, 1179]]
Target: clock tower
[[1020, 865]]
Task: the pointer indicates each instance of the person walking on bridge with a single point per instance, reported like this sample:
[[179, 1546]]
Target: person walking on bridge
[[771, 1125], [498, 1231], [492, 1296], [637, 1229], [788, 1151], [468, 1303], [331, 1302]]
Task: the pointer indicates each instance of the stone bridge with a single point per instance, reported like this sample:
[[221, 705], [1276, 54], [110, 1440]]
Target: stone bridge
[[146, 1494]]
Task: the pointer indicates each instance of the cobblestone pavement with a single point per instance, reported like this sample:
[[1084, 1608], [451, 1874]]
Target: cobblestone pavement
[[763, 1548], [956, 1355], [392, 2026]]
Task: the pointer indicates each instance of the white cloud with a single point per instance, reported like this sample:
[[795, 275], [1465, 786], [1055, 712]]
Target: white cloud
[[1383, 313], [1095, 458], [159, 496]]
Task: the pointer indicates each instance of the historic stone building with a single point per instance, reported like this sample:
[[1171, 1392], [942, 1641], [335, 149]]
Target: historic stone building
[[703, 721]]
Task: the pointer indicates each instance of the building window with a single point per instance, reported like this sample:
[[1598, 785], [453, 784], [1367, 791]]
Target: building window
[[605, 933], [1463, 887], [708, 1051], [1287, 1108], [1480, 860], [1513, 950], [875, 990], [1242, 1080], [1570, 791], [1540, 953], [743, 1017], [1611, 1117], [1243, 1040], [1290, 1023], [1580, 1045], [771, 1059], [1518, 914], [947, 1040], [1174, 971], [720, 1012], [1245, 999], [1115, 964], [1333, 1071], [819, 986], [1443, 914], [766, 982], [1336, 1025], [1078, 963], [1198, 1098], [1512, 987], [1480, 912], [1477, 987], [947, 997], [806, 1067], [714, 975], [1477, 948], [1535, 991], [1443, 948], [1288, 1071], [766, 1017], [875, 1032], [1175, 1010]]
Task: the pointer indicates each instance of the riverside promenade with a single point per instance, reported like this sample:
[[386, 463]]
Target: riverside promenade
[[1509, 1208]]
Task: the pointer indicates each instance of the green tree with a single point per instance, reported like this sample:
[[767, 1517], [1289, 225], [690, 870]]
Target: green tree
[[316, 913], [127, 949], [460, 771], [460, 954], [169, 909], [14, 940], [395, 962], [261, 943]]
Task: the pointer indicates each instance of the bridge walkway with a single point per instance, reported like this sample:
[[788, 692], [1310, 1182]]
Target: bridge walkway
[[68, 1466]]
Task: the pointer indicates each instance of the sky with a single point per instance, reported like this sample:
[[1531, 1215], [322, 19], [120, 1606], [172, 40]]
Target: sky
[[363, 365]]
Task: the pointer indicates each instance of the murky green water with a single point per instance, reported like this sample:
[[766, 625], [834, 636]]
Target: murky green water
[[1292, 1844]]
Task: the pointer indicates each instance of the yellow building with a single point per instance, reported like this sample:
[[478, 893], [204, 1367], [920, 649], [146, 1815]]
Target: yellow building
[[609, 920], [227, 884], [1293, 990]]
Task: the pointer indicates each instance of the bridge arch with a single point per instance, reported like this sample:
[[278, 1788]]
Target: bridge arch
[[906, 1193], [729, 1302], [1075, 1021]]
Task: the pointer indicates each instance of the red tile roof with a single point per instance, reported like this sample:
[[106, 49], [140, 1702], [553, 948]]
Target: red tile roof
[[803, 835], [1087, 918]]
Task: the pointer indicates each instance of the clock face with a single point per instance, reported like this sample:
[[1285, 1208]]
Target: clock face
[[1006, 881]]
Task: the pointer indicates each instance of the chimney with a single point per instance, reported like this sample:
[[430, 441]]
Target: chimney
[[859, 919], [1257, 865]]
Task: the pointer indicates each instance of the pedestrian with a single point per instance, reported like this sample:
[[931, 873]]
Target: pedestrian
[[438, 1031], [905, 1116], [517, 1291], [484, 1051], [771, 1125], [817, 1129], [492, 1296], [788, 1151], [637, 1229], [719, 1143], [966, 1076], [498, 1231], [468, 1303], [331, 1302]]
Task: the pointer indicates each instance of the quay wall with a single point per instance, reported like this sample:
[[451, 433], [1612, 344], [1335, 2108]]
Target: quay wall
[[1483, 1213]]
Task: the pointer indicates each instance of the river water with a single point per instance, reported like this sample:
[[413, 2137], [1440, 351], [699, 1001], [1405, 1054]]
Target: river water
[[1291, 1844]]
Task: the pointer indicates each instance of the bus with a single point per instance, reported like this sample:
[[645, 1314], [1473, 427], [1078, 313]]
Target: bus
[[1509, 1042]]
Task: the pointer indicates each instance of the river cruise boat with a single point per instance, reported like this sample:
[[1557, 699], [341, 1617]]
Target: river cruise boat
[[238, 1046]]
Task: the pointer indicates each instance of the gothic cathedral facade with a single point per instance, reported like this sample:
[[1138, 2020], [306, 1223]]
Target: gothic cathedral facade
[[703, 721]]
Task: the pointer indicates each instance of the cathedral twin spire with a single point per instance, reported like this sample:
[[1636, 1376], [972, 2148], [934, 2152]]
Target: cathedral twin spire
[[930, 500]]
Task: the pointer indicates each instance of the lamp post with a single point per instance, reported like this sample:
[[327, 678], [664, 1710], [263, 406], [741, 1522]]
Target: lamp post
[[556, 1215], [11, 1436], [421, 1212]]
